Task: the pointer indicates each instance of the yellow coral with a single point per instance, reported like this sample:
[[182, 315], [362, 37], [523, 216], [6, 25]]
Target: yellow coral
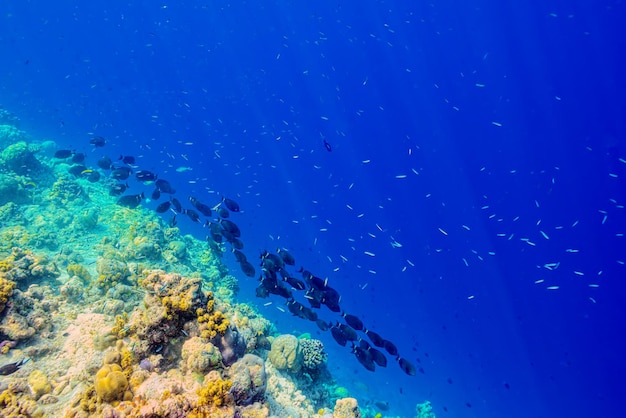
[[6, 290], [79, 271], [120, 328], [111, 383], [39, 384], [216, 392]]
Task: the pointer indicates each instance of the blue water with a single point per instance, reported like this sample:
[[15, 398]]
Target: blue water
[[486, 138]]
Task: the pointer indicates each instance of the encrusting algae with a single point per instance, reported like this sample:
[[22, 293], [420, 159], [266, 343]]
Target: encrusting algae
[[106, 310]]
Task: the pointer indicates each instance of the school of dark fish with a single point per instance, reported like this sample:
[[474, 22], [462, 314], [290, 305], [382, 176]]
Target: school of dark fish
[[274, 278]]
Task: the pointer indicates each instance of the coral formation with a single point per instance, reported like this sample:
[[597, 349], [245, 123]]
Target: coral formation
[[215, 392], [346, 408], [199, 356], [313, 354], [39, 384], [6, 290], [285, 353], [249, 380], [111, 384], [424, 410]]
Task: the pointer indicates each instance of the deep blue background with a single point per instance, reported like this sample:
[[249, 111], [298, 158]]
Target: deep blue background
[[397, 88]]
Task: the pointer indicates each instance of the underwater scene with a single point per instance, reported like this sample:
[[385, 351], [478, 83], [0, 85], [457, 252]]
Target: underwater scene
[[333, 209]]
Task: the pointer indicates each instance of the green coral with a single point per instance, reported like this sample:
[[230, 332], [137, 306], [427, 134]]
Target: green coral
[[424, 410], [79, 271], [20, 158], [110, 272], [67, 190]]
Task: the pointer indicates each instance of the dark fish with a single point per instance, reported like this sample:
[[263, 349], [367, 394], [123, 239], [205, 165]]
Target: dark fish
[[130, 201], [375, 338], [327, 146], [63, 154], [282, 291], [202, 208], [295, 283], [164, 186], [314, 297], [223, 212], [406, 366], [339, 336], [378, 357], [11, 368], [348, 331], [271, 261], [215, 228], [97, 141], [237, 244], [118, 189], [390, 347], [353, 321], [163, 207], [121, 173], [172, 223], [309, 314], [241, 257], [364, 357], [77, 170], [193, 215], [78, 158], [323, 325], [231, 204], [317, 282], [93, 177], [145, 175], [331, 298], [262, 292], [104, 163], [127, 159], [287, 258], [230, 227], [248, 269], [156, 194], [176, 205]]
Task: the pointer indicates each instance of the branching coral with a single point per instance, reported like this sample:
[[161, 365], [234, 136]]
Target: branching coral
[[215, 392], [212, 322], [313, 354]]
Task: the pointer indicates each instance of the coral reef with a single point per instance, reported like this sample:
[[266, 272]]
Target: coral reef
[[122, 315]]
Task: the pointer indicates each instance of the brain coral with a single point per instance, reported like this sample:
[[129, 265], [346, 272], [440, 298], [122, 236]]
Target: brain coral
[[285, 353], [111, 383]]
